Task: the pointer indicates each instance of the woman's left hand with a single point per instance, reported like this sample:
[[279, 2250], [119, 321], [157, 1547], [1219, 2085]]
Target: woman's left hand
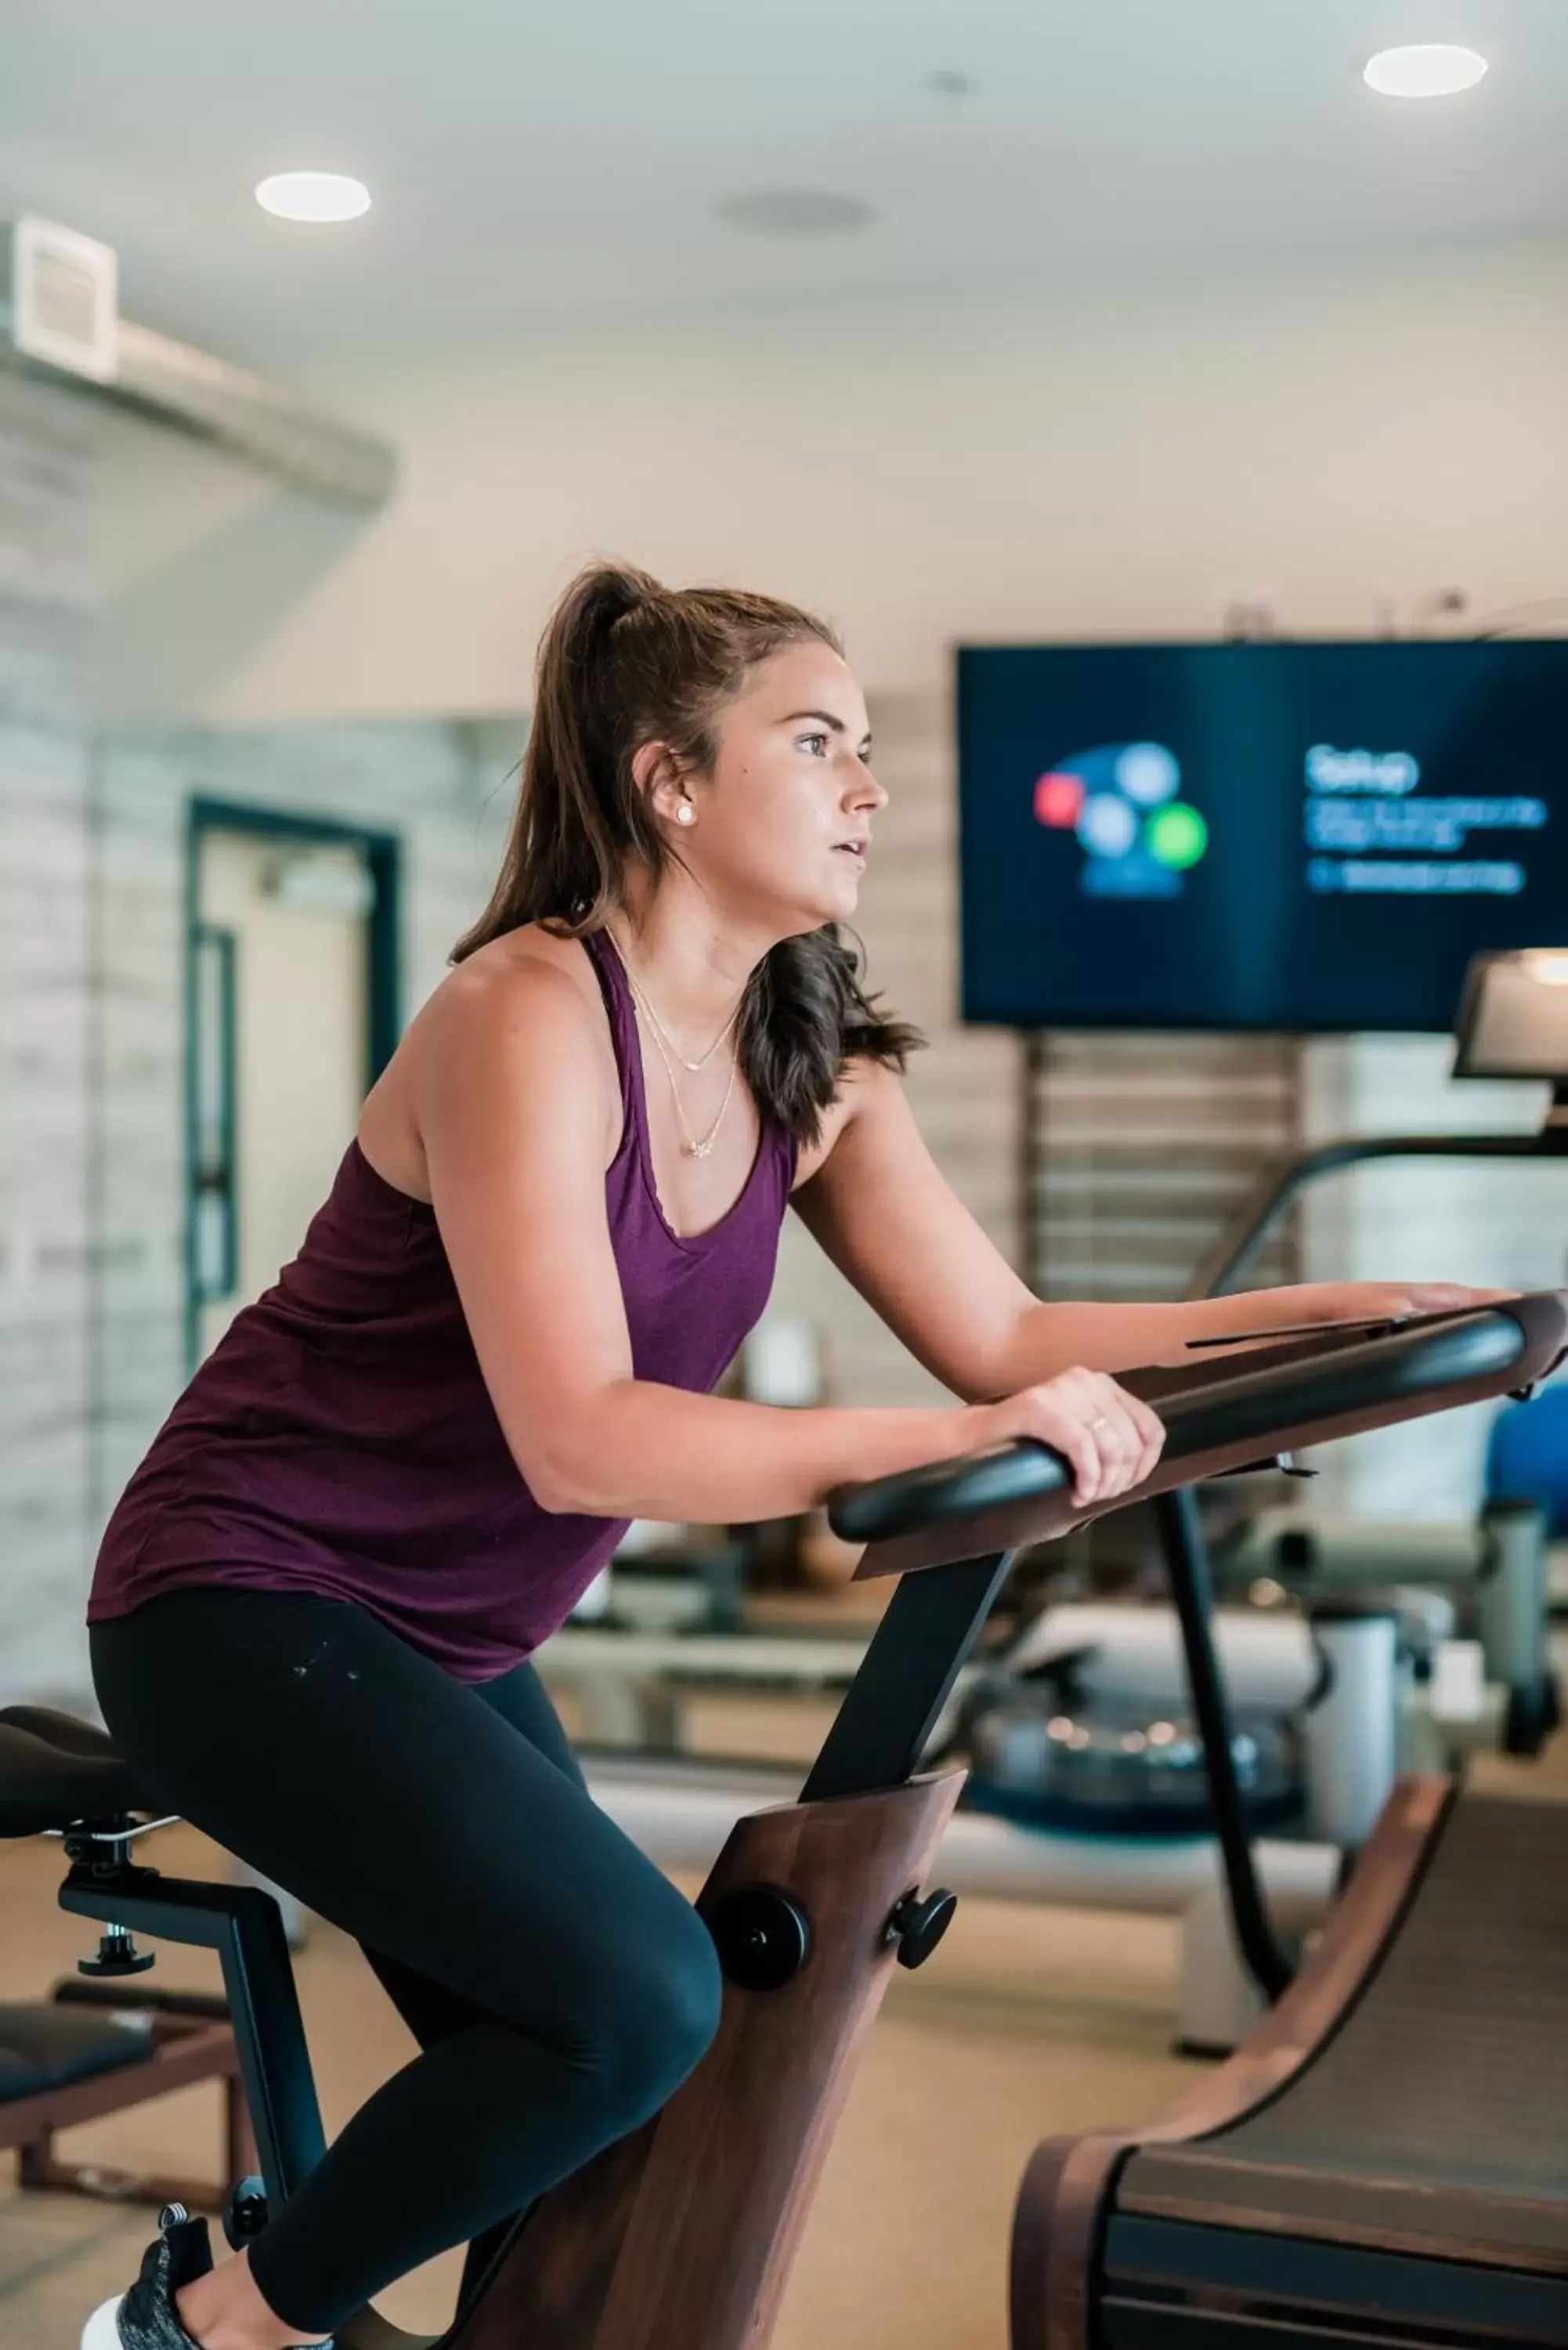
[[1370, 1301]]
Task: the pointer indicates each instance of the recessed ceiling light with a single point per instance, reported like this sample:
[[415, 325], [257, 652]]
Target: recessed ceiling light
[[314, 196], [795, 211], [1426, 70]]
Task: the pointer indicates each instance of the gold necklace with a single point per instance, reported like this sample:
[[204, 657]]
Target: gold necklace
[[691, 1147], [663, 1033]]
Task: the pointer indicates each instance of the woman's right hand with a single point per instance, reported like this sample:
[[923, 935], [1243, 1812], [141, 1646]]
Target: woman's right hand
[[1112, 1439]]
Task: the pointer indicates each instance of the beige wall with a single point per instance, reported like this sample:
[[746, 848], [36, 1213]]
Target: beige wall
[[1075, 457]]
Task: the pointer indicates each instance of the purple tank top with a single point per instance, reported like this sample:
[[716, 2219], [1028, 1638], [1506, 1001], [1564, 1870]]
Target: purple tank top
[[341, 1440]]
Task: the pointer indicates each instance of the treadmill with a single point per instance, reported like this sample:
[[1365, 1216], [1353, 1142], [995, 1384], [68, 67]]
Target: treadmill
[[1383, 2160]]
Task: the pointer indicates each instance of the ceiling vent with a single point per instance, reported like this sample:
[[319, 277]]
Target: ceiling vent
[[64, 298], [59, 321]]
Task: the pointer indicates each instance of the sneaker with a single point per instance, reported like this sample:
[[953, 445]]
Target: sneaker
[[145, 2318]]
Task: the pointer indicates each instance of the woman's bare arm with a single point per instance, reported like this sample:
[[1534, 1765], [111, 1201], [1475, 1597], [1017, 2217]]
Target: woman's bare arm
[[883, 1210], [513, 1113]]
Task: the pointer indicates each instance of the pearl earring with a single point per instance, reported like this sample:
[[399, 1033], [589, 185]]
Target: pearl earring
[[685, 814]]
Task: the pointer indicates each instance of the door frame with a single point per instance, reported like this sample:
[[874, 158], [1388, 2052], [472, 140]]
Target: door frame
[[383, 855]]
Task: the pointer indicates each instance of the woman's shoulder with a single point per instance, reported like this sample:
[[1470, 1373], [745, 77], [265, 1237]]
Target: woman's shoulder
[[523, 999], [530, 963], [527, 982]]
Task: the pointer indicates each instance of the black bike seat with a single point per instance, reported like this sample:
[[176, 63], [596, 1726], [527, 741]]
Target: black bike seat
[[56, 1771]]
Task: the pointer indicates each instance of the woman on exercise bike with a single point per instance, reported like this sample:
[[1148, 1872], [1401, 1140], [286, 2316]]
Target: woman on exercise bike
[[398, 1472]]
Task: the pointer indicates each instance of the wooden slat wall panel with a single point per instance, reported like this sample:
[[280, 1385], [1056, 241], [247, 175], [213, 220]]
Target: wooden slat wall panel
[[1139, 1148]]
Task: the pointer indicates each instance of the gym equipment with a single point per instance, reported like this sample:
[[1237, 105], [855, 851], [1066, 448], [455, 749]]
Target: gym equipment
[[96, 2047], [809, 1905], [630, 1686], [91, 2049], [1512, 1021], [1085, 1722], [1498, 1015], [1086, 1726], [1383, 2160], [1044, 1750], [1498, 1564], [1527, 1457]]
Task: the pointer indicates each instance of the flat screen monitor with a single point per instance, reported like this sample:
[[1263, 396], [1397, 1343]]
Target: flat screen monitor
[[1314, 838]]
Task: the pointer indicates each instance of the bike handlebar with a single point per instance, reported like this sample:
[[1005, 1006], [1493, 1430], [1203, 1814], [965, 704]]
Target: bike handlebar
[[1264, 1400]]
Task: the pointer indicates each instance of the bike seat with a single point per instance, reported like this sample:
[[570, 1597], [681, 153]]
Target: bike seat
[[56, 1771]]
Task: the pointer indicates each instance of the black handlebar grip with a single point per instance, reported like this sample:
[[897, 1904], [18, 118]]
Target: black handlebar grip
[[1258, 1395]]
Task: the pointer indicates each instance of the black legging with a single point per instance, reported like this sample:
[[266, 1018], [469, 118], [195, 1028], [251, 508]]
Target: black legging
[[559, 1987]]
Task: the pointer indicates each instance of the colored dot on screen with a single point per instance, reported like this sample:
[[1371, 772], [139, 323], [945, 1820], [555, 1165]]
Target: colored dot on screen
[[1177, 835], [1057, 800], [1148, 773], [1108, 825]]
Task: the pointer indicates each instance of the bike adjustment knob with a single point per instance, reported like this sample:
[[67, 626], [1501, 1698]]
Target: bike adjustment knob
[[246, 2213], [763, 1937], [918, 1925], [116, 1955]]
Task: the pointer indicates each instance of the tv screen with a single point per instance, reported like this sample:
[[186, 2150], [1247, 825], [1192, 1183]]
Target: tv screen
[[1300, 837]]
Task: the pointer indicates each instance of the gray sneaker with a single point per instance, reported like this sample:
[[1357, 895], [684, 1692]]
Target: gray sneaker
[[145, 2318]]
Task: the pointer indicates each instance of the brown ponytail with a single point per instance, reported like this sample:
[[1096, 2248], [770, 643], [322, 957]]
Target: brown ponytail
[[626, 662]]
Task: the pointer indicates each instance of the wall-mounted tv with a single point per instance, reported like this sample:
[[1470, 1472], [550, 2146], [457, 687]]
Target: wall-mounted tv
[[1303, 837]]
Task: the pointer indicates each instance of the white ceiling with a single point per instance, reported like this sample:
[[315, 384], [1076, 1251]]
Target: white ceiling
[[529, 159]]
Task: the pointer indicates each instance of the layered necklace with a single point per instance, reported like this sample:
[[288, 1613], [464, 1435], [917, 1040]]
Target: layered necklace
[[692, 1146]]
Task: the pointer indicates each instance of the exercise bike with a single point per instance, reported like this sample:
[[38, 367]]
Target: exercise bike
[[683, 2232]]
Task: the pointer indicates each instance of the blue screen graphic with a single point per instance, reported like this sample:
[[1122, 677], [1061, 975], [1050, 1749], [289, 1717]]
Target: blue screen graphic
[[1307, 837]]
